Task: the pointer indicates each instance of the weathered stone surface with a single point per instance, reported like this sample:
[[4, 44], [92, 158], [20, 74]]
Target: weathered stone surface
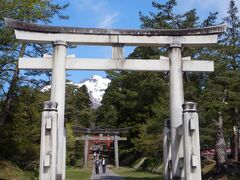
[[50, 105], [189, 106], [20, 25]]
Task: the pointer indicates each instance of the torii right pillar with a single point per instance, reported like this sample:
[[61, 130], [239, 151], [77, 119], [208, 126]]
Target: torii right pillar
[[116, 151], [192, 158]]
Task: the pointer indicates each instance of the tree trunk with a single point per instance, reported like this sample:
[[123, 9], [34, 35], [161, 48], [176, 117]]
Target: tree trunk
[[220, 145], [235, 139], [235, 144], [5, 112]]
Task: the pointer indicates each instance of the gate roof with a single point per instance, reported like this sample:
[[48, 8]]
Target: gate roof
[[20, 25]]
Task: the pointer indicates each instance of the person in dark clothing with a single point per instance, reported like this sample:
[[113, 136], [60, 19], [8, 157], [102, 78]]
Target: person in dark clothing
[[97, 163], [104, 165]]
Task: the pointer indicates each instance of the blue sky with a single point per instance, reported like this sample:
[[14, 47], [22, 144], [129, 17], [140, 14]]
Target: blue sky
[[120, 14]]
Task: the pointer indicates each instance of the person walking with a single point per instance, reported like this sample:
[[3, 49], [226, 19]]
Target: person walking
[[97, 166], [104, 165]]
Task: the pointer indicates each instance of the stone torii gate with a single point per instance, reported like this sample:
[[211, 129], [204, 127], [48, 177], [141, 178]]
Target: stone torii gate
[[112, 135], [61, 37]]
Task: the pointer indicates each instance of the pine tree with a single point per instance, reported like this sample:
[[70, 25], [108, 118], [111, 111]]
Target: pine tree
[[220, 95], [78, 106], [230, 51], [20, 99], [79, 113], [11, 50], [20, 136]]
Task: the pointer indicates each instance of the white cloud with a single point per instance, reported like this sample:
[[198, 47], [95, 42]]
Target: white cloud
[[90, 5], [99, 10], [206, 5], [108, 20], [219, 4]]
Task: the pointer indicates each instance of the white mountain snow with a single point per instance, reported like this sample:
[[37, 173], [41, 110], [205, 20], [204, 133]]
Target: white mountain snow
[[96, 86]]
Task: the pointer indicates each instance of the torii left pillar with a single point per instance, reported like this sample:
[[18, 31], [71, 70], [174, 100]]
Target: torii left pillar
[[58, 95]]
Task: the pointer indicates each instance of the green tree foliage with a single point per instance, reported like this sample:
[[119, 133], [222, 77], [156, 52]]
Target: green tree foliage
[[21, 103], [20, 137], [78, 113], [71, 143], [167, 18], [10, 50], [221, 91], [135, 100], [78, 106]]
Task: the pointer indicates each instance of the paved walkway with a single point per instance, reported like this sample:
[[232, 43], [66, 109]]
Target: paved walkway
[[109, 175]]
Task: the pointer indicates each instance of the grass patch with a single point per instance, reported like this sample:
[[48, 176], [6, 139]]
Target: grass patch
[[73, 173], [208, 166], [133, 174], [9, 171]]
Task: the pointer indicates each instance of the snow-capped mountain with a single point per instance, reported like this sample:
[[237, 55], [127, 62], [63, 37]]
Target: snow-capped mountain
[[96, 86]]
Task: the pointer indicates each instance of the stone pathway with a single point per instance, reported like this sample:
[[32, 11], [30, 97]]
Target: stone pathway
[[109, 175]]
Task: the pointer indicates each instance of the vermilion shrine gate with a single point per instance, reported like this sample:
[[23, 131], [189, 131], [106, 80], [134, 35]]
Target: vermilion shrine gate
[[106, 136], [181, 142]]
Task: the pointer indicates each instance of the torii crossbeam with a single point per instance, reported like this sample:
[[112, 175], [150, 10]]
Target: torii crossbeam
[[175, 39]]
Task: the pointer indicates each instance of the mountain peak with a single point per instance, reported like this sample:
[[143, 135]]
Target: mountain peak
[[96, 86], [97, 77]]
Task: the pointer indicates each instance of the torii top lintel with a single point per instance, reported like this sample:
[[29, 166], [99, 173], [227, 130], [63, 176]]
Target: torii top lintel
[[75, 35]]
